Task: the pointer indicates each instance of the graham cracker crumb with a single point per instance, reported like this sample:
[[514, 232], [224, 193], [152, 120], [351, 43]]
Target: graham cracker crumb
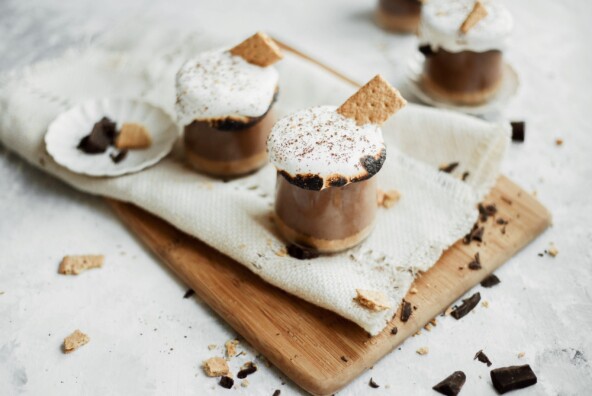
[[211, 347], [374, 103], [413, 290], [259, 49], [373, 300], [133, 136], [485, 304], [283, 252], [477, 13], [433, 322], [379, 197], [75, 341], [448, 311], [231, 348], [423, 351], [559, 141], [74, 265], [391, 197], [521, 355], [245, 383], [216, 367], [428, 327], [418, 332], [553, 251]]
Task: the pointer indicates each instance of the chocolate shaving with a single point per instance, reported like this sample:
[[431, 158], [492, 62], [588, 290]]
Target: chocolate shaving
[[406, 311], [490, 281], [300, 253], [394, 331], [486, 211], [373, 384], [465, 175], [344, 359], [188, 293], [249, 369], [452, 384], [120, 156], [482, 357], [100, 137], [518, 131], [426, 50], [277, 392], [506, 379], [476, 263], [226, 382], [466, 306], [448, 168], [476, 234]]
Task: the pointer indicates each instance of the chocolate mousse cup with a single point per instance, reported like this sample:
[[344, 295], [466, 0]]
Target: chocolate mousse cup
[[463, 43], [326, 160], [400, 16], [228, 148], [225, 103]]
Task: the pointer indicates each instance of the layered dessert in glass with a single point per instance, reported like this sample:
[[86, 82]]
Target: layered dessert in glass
[[326, 159], [463, 42], [225, 103]]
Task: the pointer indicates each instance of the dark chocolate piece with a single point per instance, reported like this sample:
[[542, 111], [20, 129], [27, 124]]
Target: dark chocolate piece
[[466, 306], [452, 384], [226, 382], [426, 50], [518, 131], [120, 156], [449, 168], [188, 293], [277, 392], [100, 137], [476, 263], [248, 370], [300, 253], [373, 384], [490, 281], [465, 175], [394, 331], [506, 379], [476, 234], [482, 357], [486, 211], [405, 311]]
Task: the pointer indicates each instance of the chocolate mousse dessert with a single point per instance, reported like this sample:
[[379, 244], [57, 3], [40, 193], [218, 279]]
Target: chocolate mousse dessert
[[401, 16], [224, 102], [326, 157], [463, 43]]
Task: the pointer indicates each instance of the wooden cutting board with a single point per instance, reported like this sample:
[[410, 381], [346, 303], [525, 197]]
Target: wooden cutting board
[[307, 342]]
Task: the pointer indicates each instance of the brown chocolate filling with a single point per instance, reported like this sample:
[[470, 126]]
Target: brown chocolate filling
[[330, 214], [401, 7], [464, 71], [371, 164]]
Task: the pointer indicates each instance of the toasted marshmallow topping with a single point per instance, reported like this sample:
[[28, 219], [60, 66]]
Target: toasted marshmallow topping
[[218, 85], [319, 142], [441, 21]]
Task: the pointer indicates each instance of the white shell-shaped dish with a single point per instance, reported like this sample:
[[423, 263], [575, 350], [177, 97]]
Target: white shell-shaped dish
[[508, 89], [66, 131]]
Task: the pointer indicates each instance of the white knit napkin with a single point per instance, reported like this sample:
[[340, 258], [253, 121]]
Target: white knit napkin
[[435, 210]]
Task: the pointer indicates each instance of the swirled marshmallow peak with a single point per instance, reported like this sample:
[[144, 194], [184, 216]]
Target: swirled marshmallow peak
[[218, 85], [441, 21], [318, 148]]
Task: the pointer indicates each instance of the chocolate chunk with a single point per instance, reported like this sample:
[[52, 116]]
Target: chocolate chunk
[[188, 293], [226, 382], [482, 357], [249, 369], [300, 253], [506, 379], [476, 263], [406, 311], [100, 137], [373, 384], [486, 211], [449, 168], [120, 156], [490, 281], [426, 50], [476, 234], [466, 306], [277, 392], [394, 331], [465, 175], [518, 131], [452, 384]]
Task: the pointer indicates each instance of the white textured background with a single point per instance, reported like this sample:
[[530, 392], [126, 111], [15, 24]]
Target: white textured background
[[147, 339]]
